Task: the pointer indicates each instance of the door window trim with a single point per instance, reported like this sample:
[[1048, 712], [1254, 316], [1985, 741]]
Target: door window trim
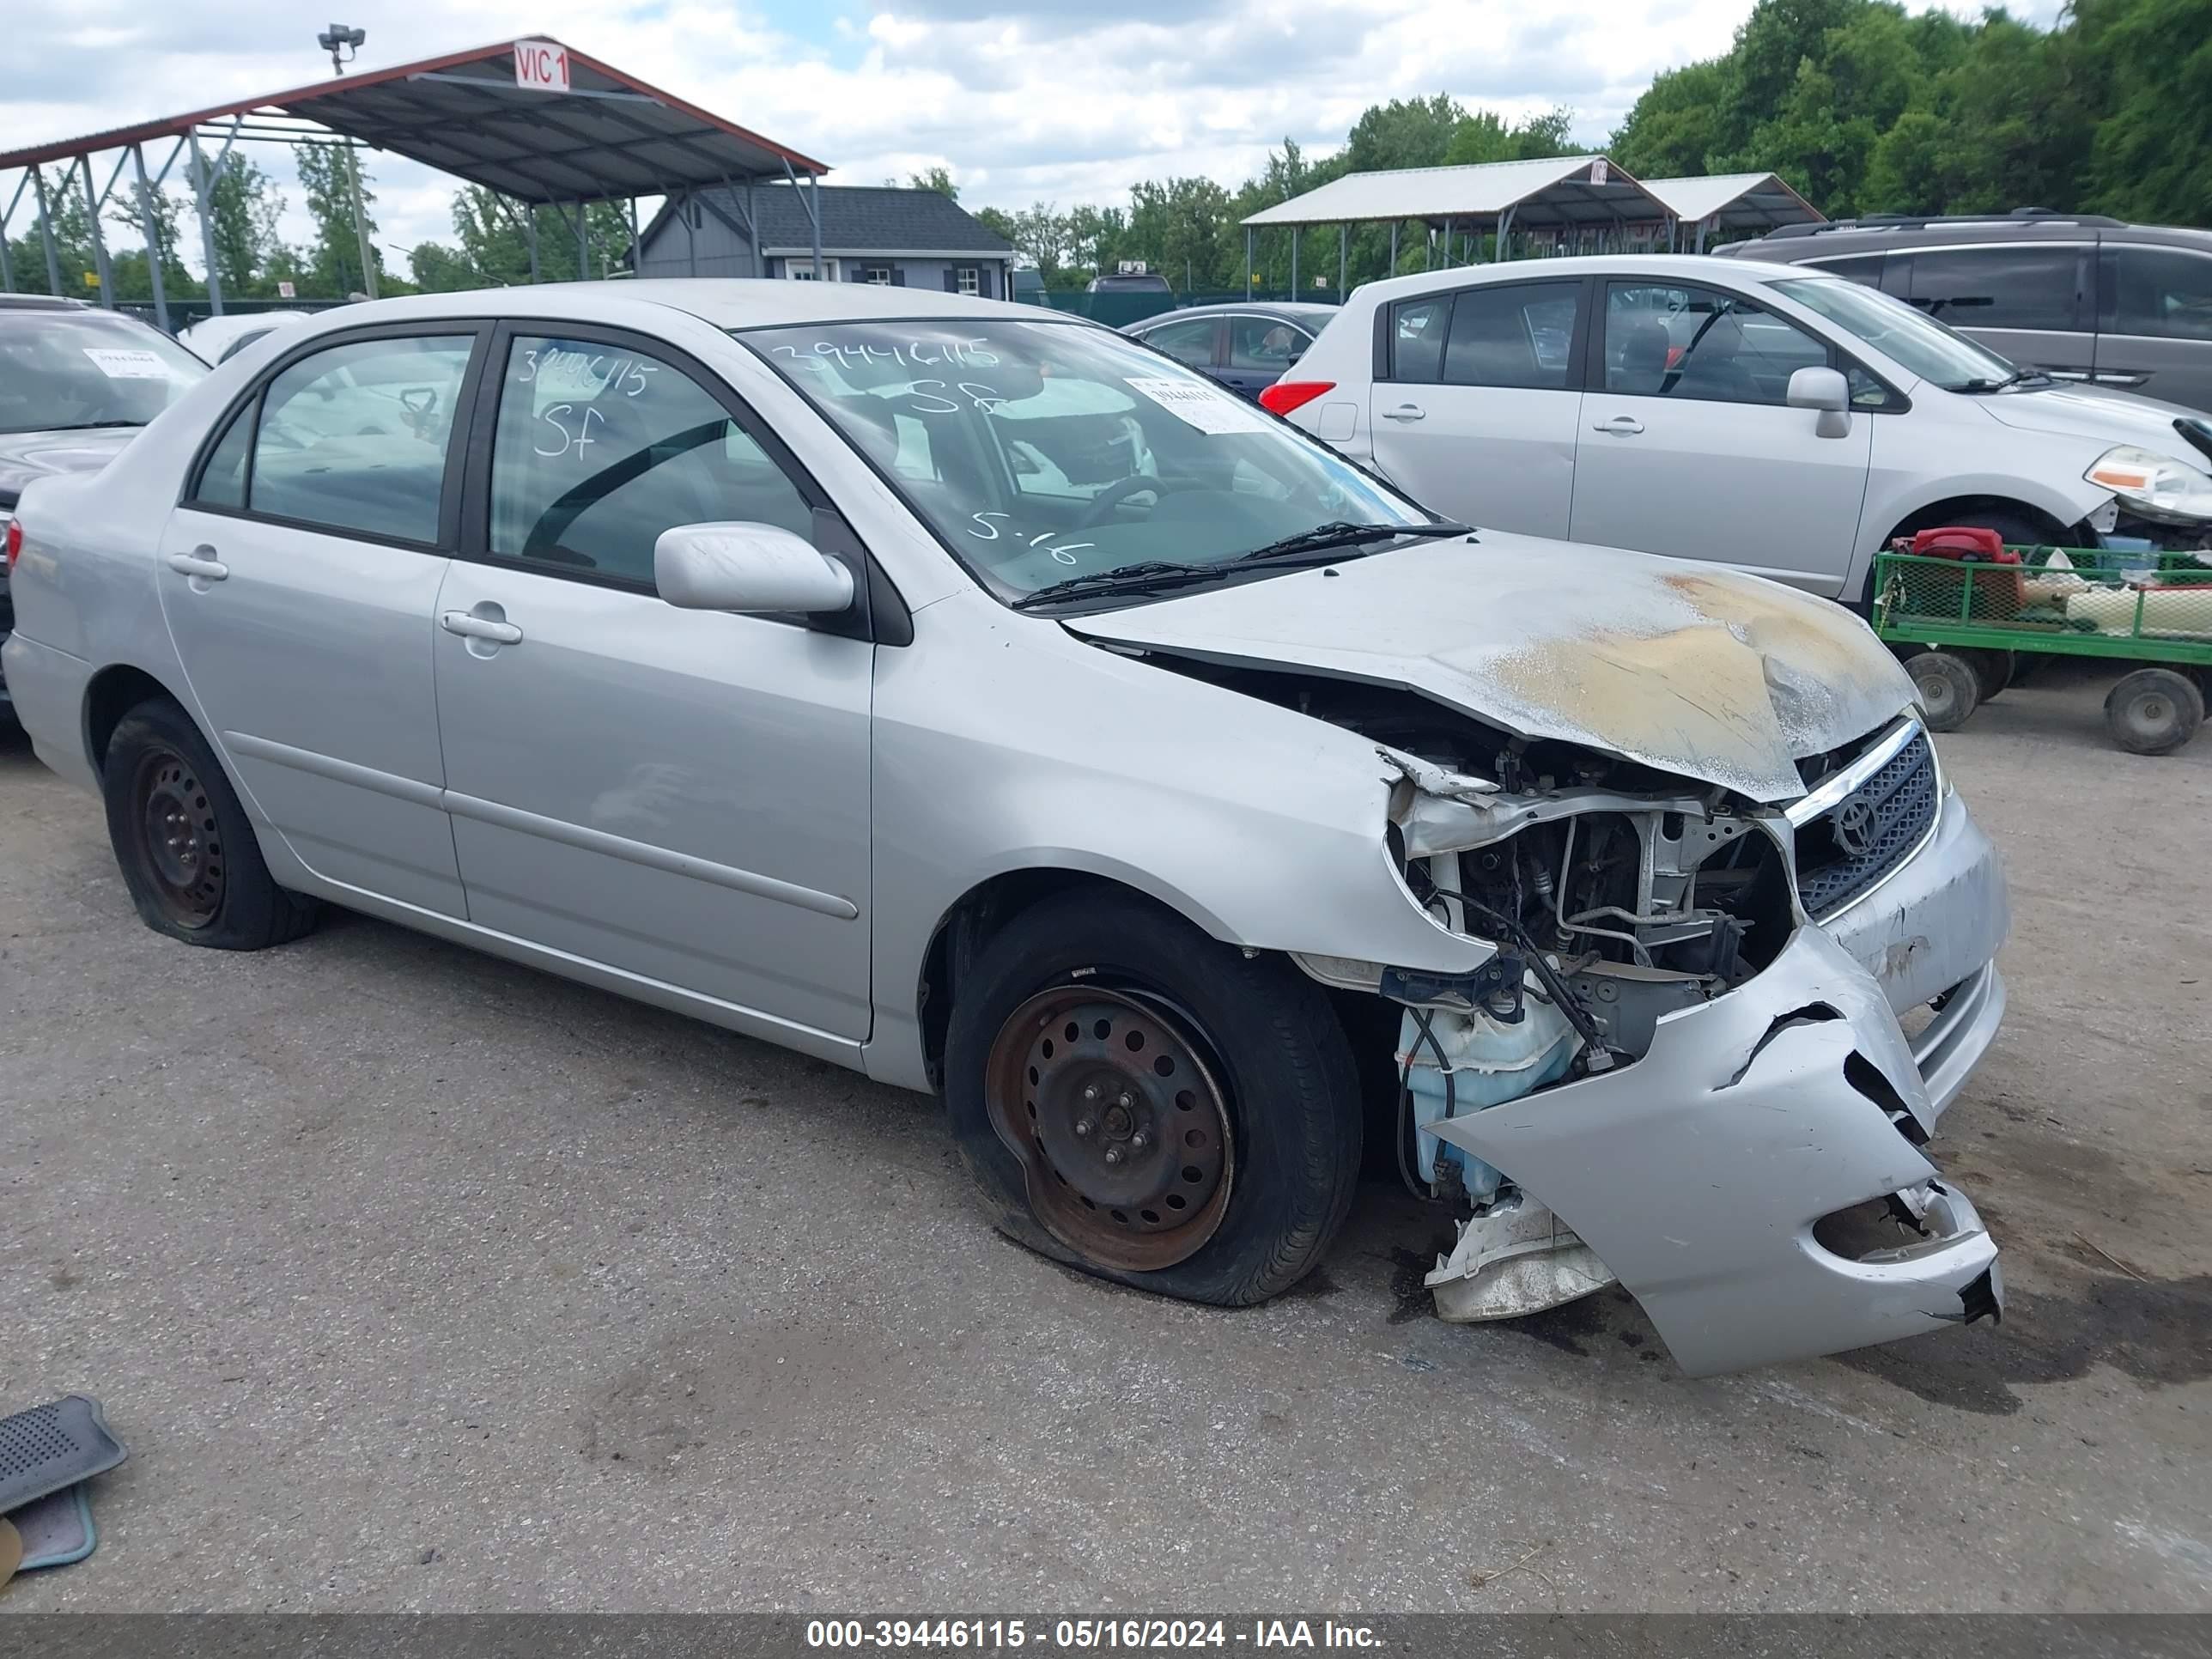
[[475, 329], [877, 612]]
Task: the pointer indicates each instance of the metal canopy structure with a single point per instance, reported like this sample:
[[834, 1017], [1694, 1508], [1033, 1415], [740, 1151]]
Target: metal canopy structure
[[1567, 195], [1747, 201], [535, 121]]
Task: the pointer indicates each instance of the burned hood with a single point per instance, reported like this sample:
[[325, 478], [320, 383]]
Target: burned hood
[[1726, 678]]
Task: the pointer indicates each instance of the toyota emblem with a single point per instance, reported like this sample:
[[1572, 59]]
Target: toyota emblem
[[1854, 827]]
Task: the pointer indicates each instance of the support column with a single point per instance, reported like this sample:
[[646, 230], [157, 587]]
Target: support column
[[1294, 262], [636, 242], [1394, 247], [752, 227], [99, 242], [692, 236], [1447, 260], [361, 225], [814, 213], [201, 186], [583, 242], [1248, 262], [151, 226], [46, 236], [1343, 253], [530, 236]]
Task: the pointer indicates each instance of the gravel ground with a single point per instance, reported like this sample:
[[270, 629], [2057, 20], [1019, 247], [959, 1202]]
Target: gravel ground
[[416, 1281]]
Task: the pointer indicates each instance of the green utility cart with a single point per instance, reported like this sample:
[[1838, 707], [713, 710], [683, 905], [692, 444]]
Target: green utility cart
[[1964, 621]]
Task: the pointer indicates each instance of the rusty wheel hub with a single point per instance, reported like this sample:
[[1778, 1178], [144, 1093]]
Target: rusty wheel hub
[[183, 850], [1118, 1122]]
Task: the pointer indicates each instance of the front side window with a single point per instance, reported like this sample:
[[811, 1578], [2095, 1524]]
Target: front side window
[[2024, 286], [1264, 343], [2161, 293], [1039, 451], [1917, 342], [1662, 340], [223, 480], [62, 370], [354, 437], [599, 448], [1190, 341]]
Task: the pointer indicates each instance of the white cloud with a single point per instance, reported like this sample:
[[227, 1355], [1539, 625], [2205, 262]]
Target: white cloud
[[1024, 99]]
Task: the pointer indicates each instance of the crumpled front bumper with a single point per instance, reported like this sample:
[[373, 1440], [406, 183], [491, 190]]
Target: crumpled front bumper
[[1697, 1172]]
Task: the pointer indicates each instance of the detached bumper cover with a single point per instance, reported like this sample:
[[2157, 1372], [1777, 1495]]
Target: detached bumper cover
[[1697, 1172]]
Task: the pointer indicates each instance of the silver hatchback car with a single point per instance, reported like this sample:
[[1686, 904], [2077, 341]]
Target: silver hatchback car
[[976, 699]]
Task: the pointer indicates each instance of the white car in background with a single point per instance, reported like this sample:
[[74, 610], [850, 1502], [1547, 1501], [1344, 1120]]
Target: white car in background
[[213, 339], [1759, 415]]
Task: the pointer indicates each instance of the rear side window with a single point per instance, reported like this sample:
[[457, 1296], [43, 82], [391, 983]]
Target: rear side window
[[1418, 328], [222, 480], [1517, 336], [2023, 286], [1859, 268], [2163, 293], [1263, 343], [354, 437], [1190, 341]]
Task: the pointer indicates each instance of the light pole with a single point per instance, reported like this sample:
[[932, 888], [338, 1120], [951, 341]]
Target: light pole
[[342, 43]]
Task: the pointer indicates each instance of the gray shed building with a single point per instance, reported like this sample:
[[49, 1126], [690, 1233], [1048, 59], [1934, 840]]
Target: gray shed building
[[869, 234]]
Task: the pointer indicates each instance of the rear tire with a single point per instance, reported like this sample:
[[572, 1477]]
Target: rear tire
[[1993, 670], [183, 841], [1100, 1008], [1949, 689], [2153, 711]]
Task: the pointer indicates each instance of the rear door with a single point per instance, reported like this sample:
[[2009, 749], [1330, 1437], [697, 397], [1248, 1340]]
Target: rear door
[[1260, 348], [1687, 447], [2028, 299], [299, 579], [1474, 413], [2154, 322]]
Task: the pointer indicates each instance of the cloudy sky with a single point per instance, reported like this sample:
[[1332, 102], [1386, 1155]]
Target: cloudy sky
[[1062, 100]]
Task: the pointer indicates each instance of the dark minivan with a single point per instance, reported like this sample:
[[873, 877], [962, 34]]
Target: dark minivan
[[2082, 297]]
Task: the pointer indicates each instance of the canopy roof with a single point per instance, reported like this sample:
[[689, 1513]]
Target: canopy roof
[[1736, 201], [1561, 191], [610, 135]]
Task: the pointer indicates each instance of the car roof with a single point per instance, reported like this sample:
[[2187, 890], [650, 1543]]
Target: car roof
[[1680, 267], [1295, 311], [729, 302], [1819, 242]]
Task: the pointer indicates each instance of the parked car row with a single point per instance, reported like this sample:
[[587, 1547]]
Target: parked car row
[[993, 704]]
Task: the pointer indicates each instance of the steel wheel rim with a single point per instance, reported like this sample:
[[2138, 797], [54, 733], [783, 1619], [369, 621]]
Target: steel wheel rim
[[1937, 695], [2151, 713], [1106, 1097], [182, 846]]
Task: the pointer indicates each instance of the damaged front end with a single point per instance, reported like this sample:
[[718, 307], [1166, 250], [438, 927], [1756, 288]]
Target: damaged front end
[[1669, 1074]]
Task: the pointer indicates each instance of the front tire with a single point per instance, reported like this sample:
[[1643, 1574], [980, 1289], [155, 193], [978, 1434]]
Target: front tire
[[1150, 1105], [1949, 689], [2153, 711], [183, 841]]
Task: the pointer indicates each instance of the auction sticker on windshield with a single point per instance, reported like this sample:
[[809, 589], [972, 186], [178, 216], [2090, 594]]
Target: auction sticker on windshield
[[1200, 405], [120, 363]]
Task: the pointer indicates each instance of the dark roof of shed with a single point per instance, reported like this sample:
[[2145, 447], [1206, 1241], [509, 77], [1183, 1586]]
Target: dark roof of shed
[[611, 135], [858, 218]]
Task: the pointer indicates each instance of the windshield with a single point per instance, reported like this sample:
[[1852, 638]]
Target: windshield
[[1927, 347], [65, 369], [1042, 451]]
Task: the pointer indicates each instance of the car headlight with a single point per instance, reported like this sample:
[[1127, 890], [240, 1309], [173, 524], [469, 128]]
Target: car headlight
[[2155, 486]]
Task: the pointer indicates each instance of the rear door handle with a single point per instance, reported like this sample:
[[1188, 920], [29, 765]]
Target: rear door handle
[[1406, 412], [1625, 426], [200, 562], [478, 627]]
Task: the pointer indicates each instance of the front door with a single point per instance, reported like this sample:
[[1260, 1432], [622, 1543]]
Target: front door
[[300, 578], [1475, 419], [1260, 349], [680, 795], [1687, 447]]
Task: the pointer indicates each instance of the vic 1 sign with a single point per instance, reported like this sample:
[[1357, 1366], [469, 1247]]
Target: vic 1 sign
[[541, 65]]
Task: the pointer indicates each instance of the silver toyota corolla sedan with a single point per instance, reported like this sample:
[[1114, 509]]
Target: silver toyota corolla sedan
[[982, 701]]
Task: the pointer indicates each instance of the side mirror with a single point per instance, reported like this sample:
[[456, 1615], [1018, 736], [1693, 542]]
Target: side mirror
[[1827, 391], [747, 567]]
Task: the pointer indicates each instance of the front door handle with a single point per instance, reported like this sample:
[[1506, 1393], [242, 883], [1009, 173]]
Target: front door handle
[[480, 627], [202, 563], [1624, 426], [1406, 412]]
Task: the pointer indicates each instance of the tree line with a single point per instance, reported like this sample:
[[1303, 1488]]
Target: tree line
[[1863, 106]]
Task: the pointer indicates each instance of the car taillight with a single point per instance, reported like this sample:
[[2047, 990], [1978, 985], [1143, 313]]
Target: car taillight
[[1284, 396], [15, 541]]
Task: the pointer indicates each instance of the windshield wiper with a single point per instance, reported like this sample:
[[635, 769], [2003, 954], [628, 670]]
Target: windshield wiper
[[2018, 377], [1146, 576], [83, 426], [1341, 533]]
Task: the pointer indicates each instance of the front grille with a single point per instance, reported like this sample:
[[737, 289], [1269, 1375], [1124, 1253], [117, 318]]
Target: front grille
[[1895, 807]]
